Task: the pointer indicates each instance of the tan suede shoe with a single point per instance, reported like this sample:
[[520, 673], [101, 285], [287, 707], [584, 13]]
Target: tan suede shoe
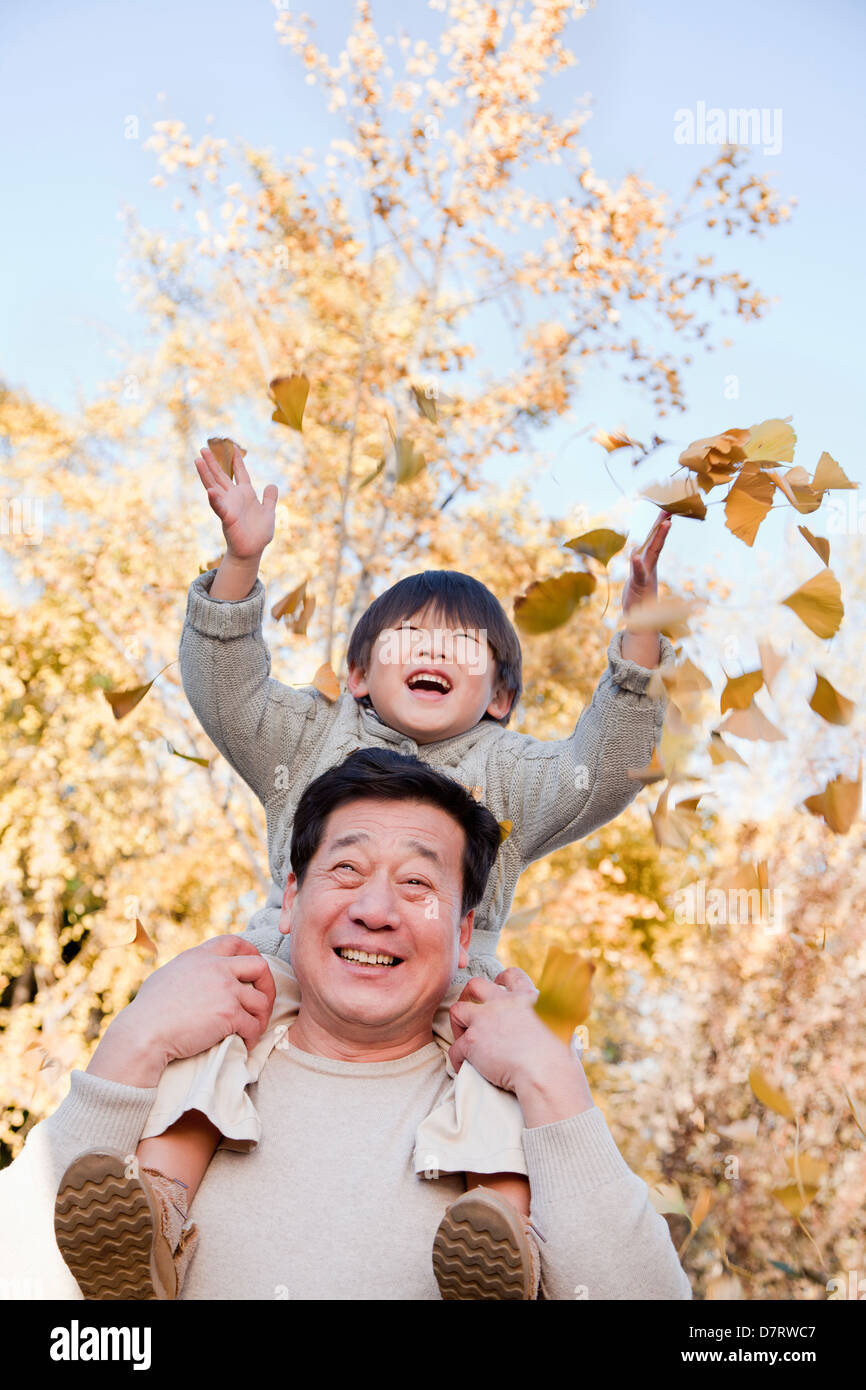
[[122, 1230], [484, 1249]]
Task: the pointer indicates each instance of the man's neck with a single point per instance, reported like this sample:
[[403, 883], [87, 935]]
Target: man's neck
[[350, 1044]]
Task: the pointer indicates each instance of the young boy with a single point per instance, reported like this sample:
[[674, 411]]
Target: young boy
[[434, 670]]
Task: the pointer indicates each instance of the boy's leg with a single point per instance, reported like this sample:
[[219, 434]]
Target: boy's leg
[[183, 1151], [514, 1187]]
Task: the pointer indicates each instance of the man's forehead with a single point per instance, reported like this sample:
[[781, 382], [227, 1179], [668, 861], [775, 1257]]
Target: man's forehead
[[380, 826]]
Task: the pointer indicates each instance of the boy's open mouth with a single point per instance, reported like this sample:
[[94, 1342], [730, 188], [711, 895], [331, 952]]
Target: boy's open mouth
[[367, 958], [428, 684]]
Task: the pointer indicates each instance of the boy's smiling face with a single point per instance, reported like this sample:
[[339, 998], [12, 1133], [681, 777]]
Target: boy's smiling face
[[431, 680]]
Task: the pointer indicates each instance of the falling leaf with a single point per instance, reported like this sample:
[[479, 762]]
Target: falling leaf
[[718, 453], [290, 394], [721, 752], [859, 1116], [771, 663], [797, 488], [838, 803], [618, 440], [505, 829], [740, 690], [667, 1197], [372, 476], [658, 615], [142, 940], [747, 503], [326, 683], [299, 624], [771, 442], [751, 723], [793, 1199], [829, 476], [602, 545], [701, 1209], [818, 543], [548, 603], [818, 603], [285, 607], [210, 565], [827, 702], [653, 772], [681, 497], [770, 1095], [122, 701], [685, 679], [673, 828], [807, 1170], [563, 1001], [410, 461], [223, 450], [202, 762], [426, 404]]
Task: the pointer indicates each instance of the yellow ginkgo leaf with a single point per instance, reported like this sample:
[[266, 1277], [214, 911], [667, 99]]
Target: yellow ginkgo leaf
[[548, 603], [223, 450], [701, 1209], [829, 476], [505, 829], [667, 1197], [771, 442], [659, 615], [188, 757], [796, 486], [721, 752], [682, 497], [617, 440], [602, 545], [827, 702], [818, 603], [770, 1095], [425, 403], [794, 1198], [771, 663], [818, 543], [564, 992], [807, 1170], [685, 680], [122, 701], [142, 940], [747, 503], [740, 690], [285, 607], [290, 394], [718, 452], [753, 724], [410, 461], [326, 683], [838, 803]]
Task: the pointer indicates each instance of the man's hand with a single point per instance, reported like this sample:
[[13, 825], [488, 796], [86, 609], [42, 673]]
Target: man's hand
[[643, 647], [497, 1030], [248, 524], [221, 987]]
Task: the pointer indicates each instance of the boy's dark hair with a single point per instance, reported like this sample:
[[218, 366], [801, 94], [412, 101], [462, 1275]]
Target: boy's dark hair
[[456, 598], [378, 774]]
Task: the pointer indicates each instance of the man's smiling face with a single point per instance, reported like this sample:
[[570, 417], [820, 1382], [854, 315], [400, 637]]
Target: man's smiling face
[[385, 884], [431, 681]]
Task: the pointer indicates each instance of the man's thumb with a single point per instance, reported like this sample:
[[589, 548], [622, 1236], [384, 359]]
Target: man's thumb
[[269, 496]]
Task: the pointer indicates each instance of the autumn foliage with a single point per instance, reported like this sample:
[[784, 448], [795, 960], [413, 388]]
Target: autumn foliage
[[332, 323]]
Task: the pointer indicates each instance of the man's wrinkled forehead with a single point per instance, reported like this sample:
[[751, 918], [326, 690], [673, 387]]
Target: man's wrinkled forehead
[[422, 828]]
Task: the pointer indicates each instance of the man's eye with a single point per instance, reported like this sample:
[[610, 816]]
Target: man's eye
[[346, 865]]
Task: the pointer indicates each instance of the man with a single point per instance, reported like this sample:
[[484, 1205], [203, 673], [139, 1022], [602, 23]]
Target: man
[[329, 1205]]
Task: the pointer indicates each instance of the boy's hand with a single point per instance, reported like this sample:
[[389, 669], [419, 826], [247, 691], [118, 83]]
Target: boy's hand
[[248, 524], [643, 580]]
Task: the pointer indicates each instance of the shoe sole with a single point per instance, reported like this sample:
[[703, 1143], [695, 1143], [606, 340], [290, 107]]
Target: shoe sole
[[107, 1229], [481, 1251]]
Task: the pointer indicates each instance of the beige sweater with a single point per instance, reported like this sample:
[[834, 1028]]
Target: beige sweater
[[280, 737], [329, 1207]]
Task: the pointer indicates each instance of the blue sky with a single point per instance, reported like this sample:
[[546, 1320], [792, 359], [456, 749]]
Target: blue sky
[[71, 75]]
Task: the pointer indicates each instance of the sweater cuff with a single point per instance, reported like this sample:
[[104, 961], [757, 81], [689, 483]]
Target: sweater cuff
[[223, 617], [102, 1113], [627, 673], [572, 1157]]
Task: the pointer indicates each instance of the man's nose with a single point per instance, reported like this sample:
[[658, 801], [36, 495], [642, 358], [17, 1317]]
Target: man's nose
[[376, 906]]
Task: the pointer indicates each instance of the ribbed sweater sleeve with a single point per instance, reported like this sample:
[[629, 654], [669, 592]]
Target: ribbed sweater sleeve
[[95, 1113], [256, 723], [563, 789], [603, 1239]]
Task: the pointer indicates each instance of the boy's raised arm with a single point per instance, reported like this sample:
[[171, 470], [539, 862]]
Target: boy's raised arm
[[256, 723], [562, 790]]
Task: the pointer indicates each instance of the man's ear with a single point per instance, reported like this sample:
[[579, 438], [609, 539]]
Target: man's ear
[[500, 703], [356, 681], [290, 892], [465, 937]]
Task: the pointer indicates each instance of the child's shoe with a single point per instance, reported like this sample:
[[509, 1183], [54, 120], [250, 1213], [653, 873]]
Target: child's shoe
[[485, 1249], [123, 1230]]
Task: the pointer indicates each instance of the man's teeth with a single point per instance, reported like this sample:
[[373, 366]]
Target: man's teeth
[[365, 957]]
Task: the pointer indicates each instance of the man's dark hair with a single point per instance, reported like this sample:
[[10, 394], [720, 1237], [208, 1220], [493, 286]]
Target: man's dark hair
[[378, 774], [456, 599]]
